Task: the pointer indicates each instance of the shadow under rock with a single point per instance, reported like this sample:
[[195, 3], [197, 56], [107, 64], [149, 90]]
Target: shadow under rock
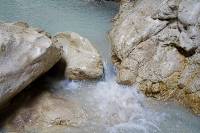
[[23, 99], [27, 97]]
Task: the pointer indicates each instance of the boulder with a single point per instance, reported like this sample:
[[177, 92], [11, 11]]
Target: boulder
[[82, 59], [38, 109], [156, 44], [25, 54]]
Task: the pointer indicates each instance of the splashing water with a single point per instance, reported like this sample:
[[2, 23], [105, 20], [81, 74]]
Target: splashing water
[[121, 109], [109, 107]]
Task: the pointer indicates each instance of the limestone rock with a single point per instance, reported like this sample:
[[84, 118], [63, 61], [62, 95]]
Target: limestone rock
[[168, 10], [24, 55], [156, 44], [82, 59], [189, 18]]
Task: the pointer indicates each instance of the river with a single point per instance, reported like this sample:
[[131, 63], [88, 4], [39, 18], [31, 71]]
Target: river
[[111, 108]]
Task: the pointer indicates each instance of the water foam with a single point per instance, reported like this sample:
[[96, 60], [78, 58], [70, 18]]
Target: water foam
[[115, 107]]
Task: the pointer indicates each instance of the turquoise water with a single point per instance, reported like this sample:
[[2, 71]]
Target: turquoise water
[[110, 108], [86, 17]]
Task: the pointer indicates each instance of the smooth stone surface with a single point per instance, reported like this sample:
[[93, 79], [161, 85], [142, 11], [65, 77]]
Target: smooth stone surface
[[82, 59], [24, 55]]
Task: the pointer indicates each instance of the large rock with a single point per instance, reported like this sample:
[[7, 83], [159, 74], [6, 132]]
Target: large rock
[[82, 59], [37, 109], [156, 44], [25, 54]]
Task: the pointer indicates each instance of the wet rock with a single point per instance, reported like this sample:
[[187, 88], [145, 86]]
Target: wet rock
[[156, 44], [82, 59], [25, 54]]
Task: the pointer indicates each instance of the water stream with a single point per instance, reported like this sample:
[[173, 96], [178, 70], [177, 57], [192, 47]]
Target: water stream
[[110, 108]]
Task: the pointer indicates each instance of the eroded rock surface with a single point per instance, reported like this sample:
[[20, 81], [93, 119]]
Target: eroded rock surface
[[82, 59], [156, 44], [25, 54]]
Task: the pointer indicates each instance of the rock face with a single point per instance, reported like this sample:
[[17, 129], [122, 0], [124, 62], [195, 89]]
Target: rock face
[[25, 54], [82, 59], [157, 45]]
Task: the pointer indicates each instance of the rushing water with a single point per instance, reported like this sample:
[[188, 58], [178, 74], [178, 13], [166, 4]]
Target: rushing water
[[111, 108]]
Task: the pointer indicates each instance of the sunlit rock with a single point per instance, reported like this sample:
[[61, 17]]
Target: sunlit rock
[[25, 54], [156, 44], [82, 59]]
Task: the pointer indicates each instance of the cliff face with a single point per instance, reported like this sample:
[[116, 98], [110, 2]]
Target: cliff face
[[157, 45]]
